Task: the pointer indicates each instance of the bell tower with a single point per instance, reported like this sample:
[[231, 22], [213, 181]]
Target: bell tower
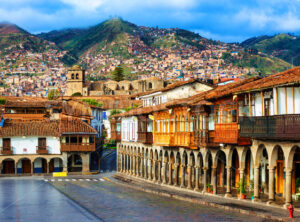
[[75, 80]]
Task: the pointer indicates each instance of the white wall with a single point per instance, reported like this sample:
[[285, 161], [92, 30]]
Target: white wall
[[30, 144], [281, 101], [258, 105], [297, 99]]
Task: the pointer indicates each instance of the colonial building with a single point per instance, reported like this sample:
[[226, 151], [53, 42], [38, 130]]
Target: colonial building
[[237, 140], [76, 84]]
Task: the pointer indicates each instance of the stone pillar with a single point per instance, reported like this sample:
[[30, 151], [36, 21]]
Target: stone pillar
[[242, 172], [120, 155], [228, 181], [65, 161], [204, 179], [47, 167], [256, 183], [288, 181], [197, 168], [159, 171], [214, 179], [222, 174], [182, 184], [32, 167], [134, 165], [154, 171], [85, 162], [16, 167], [150, 169], [146, 168], [271, 184], [127, 164], [190, 177], [170, 173], [164, 170], [142, 166], [176, 182]]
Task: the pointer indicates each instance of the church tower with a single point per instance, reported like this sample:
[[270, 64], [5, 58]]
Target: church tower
[[75, 80]]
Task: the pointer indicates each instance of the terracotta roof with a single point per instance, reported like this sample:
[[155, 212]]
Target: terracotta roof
[[76, 108], [287, 77], [75, 126], [228, 89], [13, 128], [36, 102], [171, 86]]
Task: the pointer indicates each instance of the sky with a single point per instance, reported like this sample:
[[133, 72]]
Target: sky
[[224, 20]]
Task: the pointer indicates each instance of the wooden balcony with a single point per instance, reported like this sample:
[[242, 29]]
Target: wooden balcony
[[145, 137], [281, 127], [163, 139], [229, 133], [41, 150], [6, 151], [204, 138], [115, 135], [185, 139], [78, 147]]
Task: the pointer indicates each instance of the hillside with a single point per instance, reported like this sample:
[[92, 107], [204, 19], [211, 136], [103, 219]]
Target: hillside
[[283, 46]]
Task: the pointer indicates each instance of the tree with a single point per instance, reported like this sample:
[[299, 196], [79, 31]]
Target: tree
[[53, 94], [118, 74]]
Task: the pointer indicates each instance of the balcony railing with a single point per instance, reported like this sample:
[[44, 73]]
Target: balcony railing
[[42, 150], [229, 133], [285, 127], [78, 147], [163, 139], [184, 139], [6, 151], [145, 137], [204, 138]]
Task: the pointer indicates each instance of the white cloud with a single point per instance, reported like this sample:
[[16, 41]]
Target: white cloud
[[85, 5]]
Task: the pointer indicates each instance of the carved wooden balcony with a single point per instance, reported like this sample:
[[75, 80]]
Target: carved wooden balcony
[[145, 137], [204, 138], [78, 147], [281, 127], [6, 151], [229, 133], [41, 150]]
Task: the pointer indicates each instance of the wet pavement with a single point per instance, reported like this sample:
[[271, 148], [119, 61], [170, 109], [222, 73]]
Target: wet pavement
[[31, 200], [112, 202]]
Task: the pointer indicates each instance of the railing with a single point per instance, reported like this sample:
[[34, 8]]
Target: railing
[[271, 127], [145, 137], [163, 139], [42, 150], [204, 138], [6, 150], [78, 147], [183, 139]]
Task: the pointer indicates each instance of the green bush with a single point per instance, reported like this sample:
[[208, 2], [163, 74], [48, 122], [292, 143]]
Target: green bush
[[92, 102], [76, 94], [2, 101]]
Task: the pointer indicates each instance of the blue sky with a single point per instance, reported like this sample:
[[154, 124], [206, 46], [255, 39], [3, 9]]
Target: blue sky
[[217, 19]]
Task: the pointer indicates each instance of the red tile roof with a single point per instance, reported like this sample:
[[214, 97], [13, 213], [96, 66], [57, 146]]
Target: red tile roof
[[75, 126], [287, 77]]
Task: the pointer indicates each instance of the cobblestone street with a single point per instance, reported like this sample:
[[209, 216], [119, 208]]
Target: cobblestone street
[[111, 202]]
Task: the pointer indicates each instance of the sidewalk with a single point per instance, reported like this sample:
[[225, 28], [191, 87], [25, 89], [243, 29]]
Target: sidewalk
[[271, 213]]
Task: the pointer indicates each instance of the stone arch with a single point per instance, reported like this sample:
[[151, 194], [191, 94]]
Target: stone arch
[[150, 85], [235, 164], [8, 166], [24, 165], [293, 162], [55, 165], [74, 163], [192, 171], [178, 162], [277, 159], [40, 165], [220, 160], [276, 154]]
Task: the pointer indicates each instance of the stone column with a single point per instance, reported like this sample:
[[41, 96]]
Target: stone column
[[170, 173], [197, 168], [85, 162], [242, 172], [65, 161], [32, 167], [16, 167], [154, 171], [271, 184], [146, 168], [256, 183], [164, 170], [288, 181], [190, 177], [176, 182], [228, 181], [182, 184], [127, 164], [204, 179], [142, 166], [134, 164], [214, 179], [159, 171], [47, 167], [150, 169], [222, 174]]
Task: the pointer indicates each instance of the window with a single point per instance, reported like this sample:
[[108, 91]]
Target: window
[[92, 139], [192, 124], [77, 76], [118, 127], [80, 139], [234, 116], [72, 76], [6, 143], [187, 124], [150, 85], [73, 139], [63, 140], [42, 142], [149, 126]]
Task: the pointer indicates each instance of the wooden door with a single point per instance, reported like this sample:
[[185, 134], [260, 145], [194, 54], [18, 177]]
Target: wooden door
[[267, 107], [9, 167], [26, 166], [51, 166], [6, 143], [42, 143], [44, 166], [279, 176]]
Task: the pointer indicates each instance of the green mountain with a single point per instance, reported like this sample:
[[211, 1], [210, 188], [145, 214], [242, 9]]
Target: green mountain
[[283, 46]]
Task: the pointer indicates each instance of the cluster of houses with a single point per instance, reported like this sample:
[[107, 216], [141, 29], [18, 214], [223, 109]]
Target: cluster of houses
[[40, 136], [237, 139]]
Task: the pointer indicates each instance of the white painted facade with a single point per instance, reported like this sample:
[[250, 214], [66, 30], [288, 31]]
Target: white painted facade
[[28, 145], [97, 120], [129, 129]]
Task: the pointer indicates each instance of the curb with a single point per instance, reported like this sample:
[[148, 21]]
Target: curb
[[194, 200]]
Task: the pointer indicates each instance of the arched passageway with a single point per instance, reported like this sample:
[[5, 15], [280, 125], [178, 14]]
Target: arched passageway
[[8, 166], [235, 169], [221, 171], [55, 165], [24, 166], [74, 163], [94, 161], [40, 165]]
